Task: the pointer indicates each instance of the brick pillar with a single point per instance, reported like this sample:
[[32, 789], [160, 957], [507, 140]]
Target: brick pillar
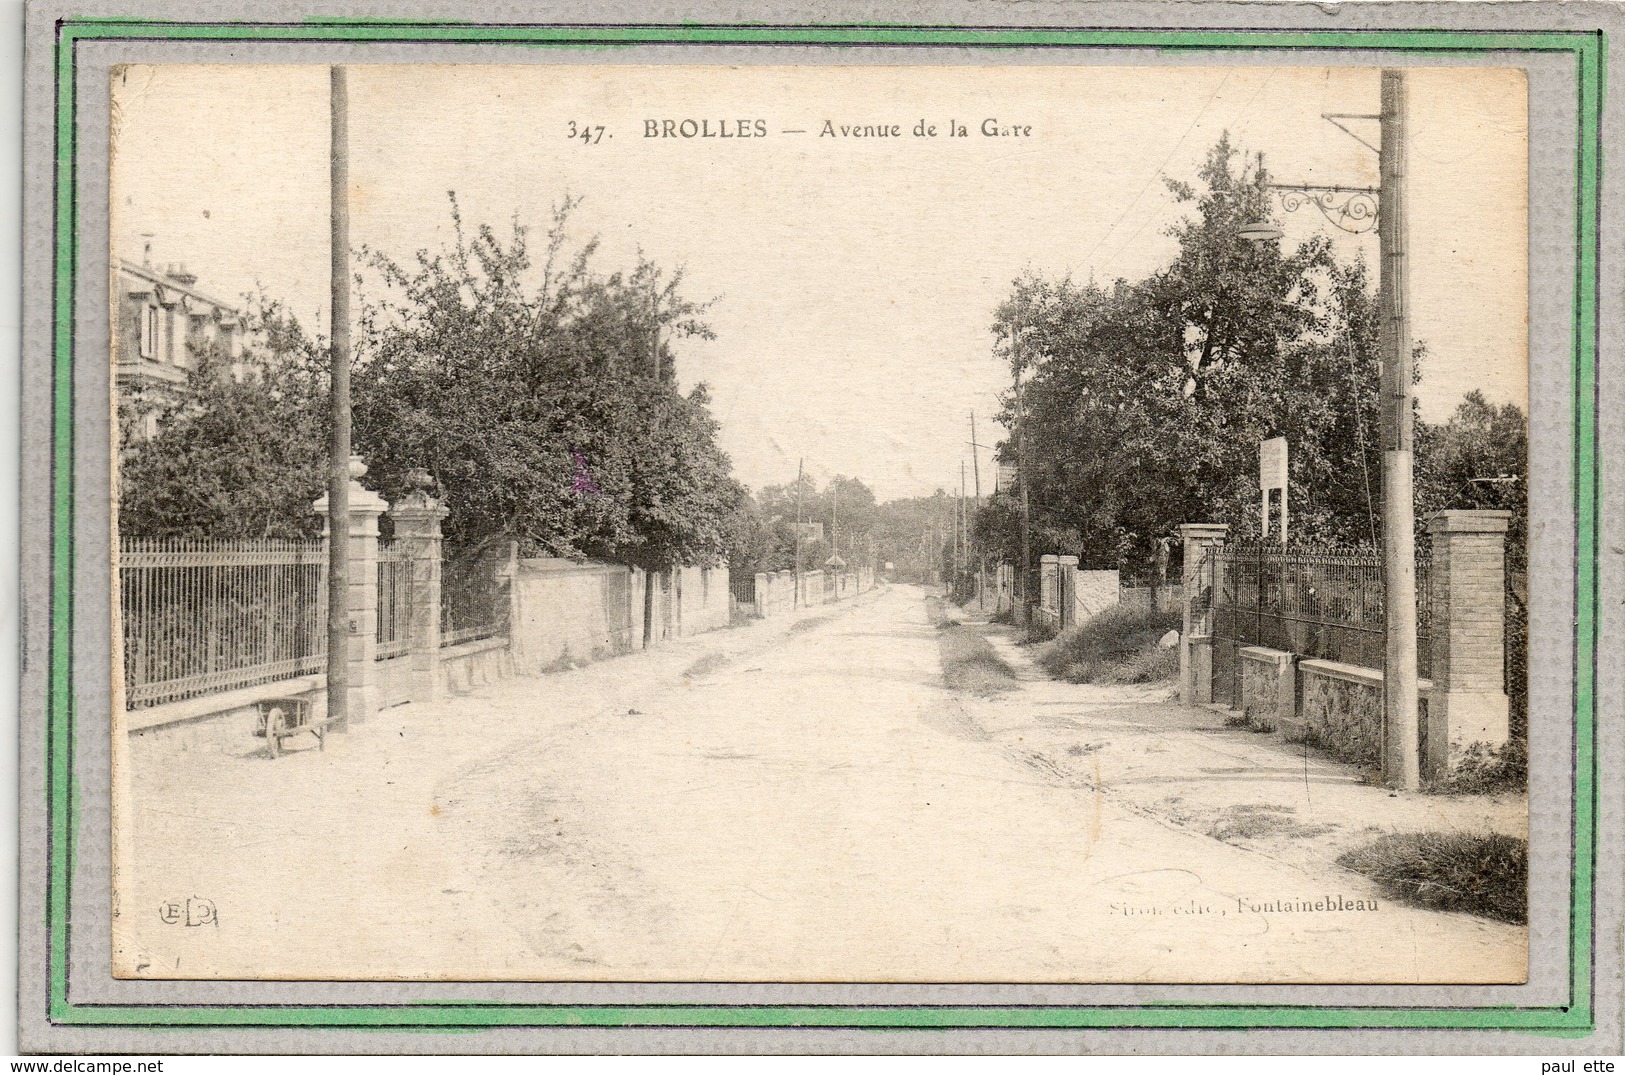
[[417, 518], [1196, 639], [1049, 579], [1467, 594], [1067, 589], [362, 608]]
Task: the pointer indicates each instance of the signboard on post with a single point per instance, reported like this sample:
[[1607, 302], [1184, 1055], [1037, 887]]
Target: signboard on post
[[810, 531], [1272, 488]]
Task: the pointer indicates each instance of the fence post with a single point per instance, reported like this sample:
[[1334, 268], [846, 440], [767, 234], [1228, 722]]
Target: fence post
[[417, 518], [1468, 703], [362, 607], [1196, 639], [1049, 577], [1067, 590]]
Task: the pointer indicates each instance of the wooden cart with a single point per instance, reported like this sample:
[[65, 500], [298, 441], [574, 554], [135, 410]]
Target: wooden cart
[[281, 717]]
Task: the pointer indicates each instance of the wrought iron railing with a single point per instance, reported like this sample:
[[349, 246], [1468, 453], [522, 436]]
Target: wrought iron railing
[[198, 617], [473, 600], [1325, 603], [394, 602]]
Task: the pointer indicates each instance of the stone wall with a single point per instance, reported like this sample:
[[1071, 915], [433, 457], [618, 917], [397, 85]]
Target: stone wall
[[1096, 591], [567, 613], [1340, 707]]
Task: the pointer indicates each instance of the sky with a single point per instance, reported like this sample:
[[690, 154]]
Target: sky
[[854, 278]]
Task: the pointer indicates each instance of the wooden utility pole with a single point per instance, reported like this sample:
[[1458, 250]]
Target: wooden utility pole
[[1401, 754], [1021, 481], [338, 478], [964, 525], [835, 518], [975, 460], [649, 577], [801, 465], [976, 469]]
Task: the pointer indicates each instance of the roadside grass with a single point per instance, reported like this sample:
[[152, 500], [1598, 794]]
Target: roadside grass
[[705, 665], [1117, 646], [1486, 771], [1252, 821], [1485, 874], [969, 662], [808, 624]]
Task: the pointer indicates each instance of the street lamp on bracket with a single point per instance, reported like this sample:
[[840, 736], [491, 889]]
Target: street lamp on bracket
[[1350, 209]]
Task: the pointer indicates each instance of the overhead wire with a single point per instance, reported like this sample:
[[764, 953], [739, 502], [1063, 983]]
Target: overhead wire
[[1159, 170]]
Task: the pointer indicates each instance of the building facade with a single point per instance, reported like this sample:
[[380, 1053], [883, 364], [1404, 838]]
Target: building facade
[[160, 320]]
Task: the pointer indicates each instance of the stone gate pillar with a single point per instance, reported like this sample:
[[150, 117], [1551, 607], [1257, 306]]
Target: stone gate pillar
[[417, 517], [362, 607], [1049, 581], [1195, 638], [1067, 589], [1467, 597]]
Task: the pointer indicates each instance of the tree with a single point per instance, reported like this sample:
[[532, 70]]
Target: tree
[[534, 405], [1144, 402], [240, 452]]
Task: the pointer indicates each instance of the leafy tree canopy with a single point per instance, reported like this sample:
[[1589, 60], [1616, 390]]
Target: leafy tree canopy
[[1144, 401], [527, 390]]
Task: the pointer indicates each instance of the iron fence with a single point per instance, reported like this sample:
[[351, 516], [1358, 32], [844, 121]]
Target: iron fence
[[198, 617], [1325, 603], [742, 594], [394, 602], [474, 598]]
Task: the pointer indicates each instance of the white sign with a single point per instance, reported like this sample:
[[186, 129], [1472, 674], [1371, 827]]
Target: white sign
[[1272, 463], [1272, 475], [812, 532]]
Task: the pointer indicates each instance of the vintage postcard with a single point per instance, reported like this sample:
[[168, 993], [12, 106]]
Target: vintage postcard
[[597, 730], [898, 519]]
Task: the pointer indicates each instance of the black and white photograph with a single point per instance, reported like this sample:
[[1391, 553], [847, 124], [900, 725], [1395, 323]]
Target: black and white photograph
[[620, 522]]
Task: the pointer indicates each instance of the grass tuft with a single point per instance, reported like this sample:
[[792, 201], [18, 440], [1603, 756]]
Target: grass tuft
[[1117, 646], [1485, 874], [705, 665], [1254, 821], [1486, 771], [969, 662]]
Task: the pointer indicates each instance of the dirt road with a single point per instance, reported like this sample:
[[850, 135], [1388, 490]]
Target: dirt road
[[788, 801]]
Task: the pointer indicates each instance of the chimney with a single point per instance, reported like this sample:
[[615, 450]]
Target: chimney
[[146, 249]]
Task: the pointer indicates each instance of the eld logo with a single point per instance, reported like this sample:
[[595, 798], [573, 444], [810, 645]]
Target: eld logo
[[195, 911]]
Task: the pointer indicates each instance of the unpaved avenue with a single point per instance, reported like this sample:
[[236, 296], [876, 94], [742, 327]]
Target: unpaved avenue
[[807, 803]]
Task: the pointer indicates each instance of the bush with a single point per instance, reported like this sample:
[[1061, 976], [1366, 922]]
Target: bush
[[1485, 771], [1480, 873], [1117, 646]]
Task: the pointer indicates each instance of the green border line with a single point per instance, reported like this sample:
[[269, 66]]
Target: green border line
[[1570, 1019]]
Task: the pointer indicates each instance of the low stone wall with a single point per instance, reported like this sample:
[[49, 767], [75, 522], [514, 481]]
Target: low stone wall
[[566, 612], [1269, 691], [702, 596], [474, 664], [1340, 708]]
